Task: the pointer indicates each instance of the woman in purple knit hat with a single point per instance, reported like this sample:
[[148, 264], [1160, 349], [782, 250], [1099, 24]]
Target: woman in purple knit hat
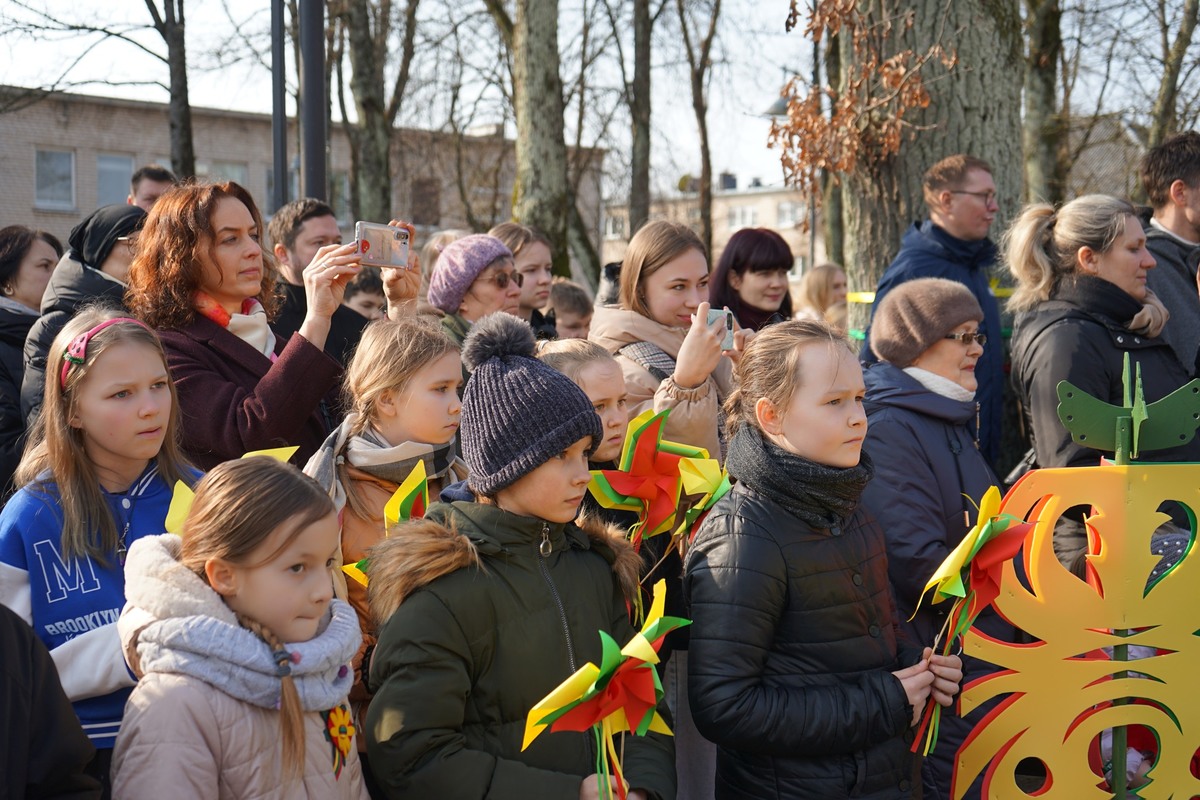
[[474, 277]]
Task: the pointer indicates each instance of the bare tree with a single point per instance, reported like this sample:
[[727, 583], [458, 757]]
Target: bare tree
[[1044, 131], [1163, 114], [698, 42], [167, 22]]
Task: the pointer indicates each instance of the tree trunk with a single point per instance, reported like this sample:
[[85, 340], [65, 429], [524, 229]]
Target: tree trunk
[[542, 191], [179, 109], [1163, 116], [831, 204], [639, 108], [366, 29], [974, 109], [699, 60], [1044, 132]]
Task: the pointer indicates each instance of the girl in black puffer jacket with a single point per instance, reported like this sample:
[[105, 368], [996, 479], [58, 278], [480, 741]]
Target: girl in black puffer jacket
[[794, 670]]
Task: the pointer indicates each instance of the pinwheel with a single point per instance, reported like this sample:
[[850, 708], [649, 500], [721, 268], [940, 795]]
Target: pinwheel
[[970, 576], [182, 495], [409, 501], [648, 476], [622, 694], [704, 477]]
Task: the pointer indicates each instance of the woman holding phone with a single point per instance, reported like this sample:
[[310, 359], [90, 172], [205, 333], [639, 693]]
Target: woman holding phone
[[202, 279]]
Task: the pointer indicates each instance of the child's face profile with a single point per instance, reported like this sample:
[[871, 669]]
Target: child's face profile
[[371, 305], [427, 408], [554, 490], [571, 325], [824, 421], [604, 386], [286, 591]]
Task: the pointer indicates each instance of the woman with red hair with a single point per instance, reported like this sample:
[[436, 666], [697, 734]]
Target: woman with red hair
[[203, 280]]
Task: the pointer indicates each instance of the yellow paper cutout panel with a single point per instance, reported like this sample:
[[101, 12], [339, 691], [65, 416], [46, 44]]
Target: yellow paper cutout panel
[[1057, 699]]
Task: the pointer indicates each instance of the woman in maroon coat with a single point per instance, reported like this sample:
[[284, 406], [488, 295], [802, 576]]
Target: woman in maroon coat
[[202, 279]]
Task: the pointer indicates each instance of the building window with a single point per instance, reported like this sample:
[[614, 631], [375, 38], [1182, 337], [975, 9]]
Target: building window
[[614, 227], [790, 214], [234, 171], [742, 217], [112, 179], [55, 179], [425, 202]]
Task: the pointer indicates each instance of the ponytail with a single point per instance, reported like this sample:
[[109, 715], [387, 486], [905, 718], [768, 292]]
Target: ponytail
[[291, 714]]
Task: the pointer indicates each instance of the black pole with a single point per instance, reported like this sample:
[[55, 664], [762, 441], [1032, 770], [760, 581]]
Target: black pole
[[278, 109], [312, 92]]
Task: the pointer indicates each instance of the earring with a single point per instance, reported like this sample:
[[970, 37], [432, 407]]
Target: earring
[[8, 291]]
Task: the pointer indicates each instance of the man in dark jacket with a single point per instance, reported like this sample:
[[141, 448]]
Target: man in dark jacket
[[1171, 177], [45, 749], [953, 243], [93, 271], [298, 231]]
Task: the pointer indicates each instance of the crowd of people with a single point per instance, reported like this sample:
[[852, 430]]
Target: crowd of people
[[175, 618]]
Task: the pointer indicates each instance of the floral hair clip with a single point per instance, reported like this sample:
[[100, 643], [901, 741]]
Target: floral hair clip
[[76, 352]]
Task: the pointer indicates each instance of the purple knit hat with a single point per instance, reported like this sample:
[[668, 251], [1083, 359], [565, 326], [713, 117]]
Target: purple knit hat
[[459, 265]]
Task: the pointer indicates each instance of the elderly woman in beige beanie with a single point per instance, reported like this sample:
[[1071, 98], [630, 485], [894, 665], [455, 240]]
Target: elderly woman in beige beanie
[[922, 424]]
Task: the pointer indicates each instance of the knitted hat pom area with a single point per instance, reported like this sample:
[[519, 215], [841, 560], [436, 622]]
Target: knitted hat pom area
[[517, 413]]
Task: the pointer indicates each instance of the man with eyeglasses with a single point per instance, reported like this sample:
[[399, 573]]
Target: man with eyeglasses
[[953, 243]]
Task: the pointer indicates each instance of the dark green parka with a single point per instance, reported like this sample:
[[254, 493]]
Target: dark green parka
[[481, 614]]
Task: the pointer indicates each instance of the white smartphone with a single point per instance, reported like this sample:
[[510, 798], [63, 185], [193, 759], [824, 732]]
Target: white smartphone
[[717, 313], [382, 245]]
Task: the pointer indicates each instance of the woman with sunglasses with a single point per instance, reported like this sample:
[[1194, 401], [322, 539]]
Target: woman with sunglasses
[[922, 429]]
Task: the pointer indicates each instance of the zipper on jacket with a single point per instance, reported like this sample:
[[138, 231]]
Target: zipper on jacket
[[545, 548], [976, 426]]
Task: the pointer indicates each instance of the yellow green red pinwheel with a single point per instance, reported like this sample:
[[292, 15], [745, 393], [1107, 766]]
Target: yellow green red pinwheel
[[622, 694], [970, 576], [409, 501], [647, 479], [182, 495], [704, 477]]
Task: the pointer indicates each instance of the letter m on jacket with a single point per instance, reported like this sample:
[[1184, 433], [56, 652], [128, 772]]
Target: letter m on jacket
[[59, 577]]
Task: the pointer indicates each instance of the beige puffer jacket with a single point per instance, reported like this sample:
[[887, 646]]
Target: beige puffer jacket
[[694, 412]]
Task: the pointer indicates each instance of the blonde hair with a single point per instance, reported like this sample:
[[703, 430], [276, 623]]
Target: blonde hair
[[432, 250], [388, 355], [57, 447], [517, 237], [770, 367], [238, 505], [654, 246], [817, 286], [1043, 245], [570, 356]]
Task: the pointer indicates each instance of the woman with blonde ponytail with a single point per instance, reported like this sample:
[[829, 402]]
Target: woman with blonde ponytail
[[1082, 306], [242, 651]]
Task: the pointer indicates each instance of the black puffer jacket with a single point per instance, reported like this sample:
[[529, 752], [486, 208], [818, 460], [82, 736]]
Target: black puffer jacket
[[13, 328], [72, 286], [1079, 335], [792, 648]]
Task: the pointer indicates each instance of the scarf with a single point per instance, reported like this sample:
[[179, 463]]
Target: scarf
[[820, 495], [8, 304], [939, 385], [372, 454], [179, 625], [250, 325]]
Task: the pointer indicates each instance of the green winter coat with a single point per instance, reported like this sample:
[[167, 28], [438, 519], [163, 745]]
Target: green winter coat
[[476, 626]]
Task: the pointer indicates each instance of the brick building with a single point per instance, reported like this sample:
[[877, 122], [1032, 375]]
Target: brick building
[[68, 154]]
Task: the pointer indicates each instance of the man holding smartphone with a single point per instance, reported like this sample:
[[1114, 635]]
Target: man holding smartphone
[[298, 230]]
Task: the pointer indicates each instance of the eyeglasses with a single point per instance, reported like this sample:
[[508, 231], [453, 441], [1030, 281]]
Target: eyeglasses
[[969, 337], [987, 197], [502, 279]]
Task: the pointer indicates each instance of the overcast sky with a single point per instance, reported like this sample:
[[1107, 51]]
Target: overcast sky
[[754, 51]]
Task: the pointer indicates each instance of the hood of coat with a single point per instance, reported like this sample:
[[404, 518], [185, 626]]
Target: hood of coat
[[888, 386], [927, 237], [173, 622], [614, 327], [466, 534], [72, 285]]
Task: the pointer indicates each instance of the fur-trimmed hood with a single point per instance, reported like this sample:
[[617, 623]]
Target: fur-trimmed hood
[[454, 536]]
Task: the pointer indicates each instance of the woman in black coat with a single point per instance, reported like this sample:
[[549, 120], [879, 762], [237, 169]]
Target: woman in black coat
[[27, 259], [1081, 306], [929, 474]]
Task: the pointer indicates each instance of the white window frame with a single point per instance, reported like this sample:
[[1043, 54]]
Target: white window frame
[[128, 175]]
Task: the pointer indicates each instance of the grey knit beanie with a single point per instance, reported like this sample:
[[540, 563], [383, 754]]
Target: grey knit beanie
[[918, 314], [459, 265], [517, 413]]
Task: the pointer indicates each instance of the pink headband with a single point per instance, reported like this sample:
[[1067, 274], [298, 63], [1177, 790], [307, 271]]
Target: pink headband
[[76, 352]]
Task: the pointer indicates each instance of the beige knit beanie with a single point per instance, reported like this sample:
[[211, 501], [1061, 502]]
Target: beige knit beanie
[[918, 314]]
